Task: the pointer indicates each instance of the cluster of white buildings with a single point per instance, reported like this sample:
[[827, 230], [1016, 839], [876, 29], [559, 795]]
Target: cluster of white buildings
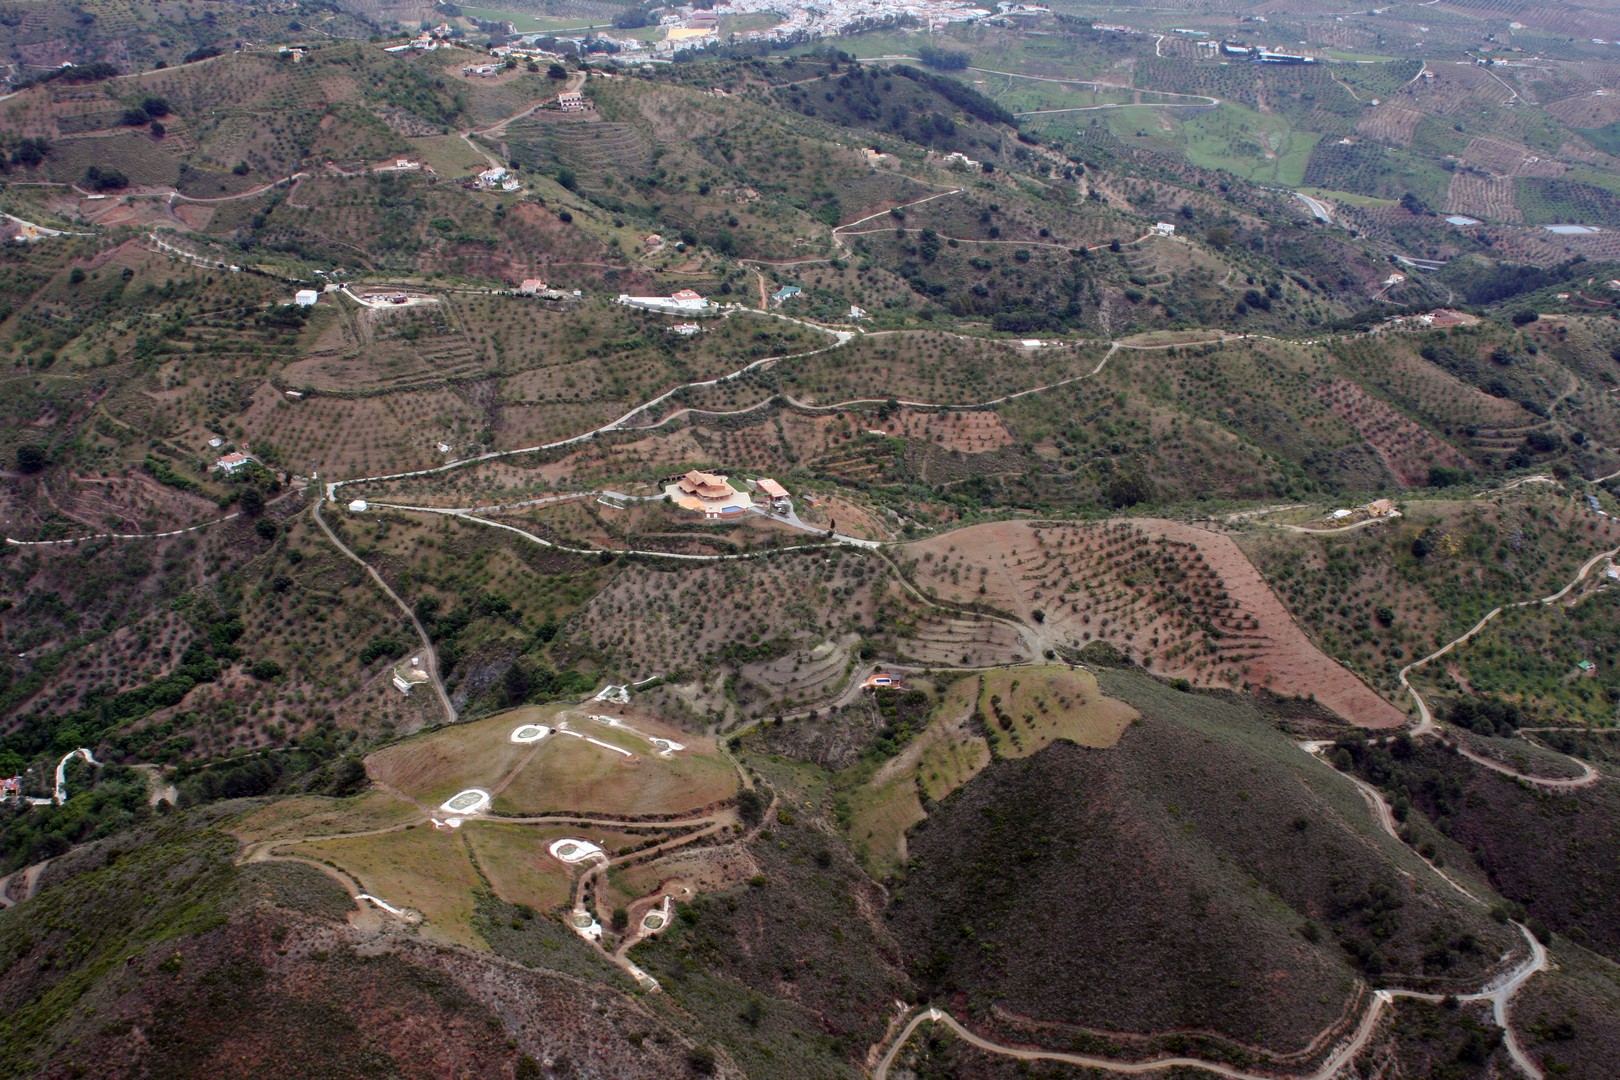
[[426, 41], [495, 178], [831, 17]]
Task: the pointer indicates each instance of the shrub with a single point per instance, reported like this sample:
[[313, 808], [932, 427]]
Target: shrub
[[31, 458]]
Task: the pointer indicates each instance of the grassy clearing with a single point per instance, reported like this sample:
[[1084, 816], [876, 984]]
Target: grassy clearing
[[1258, 147], [519, 868], [421, 868], [1347, 197], [572, 774], [525, 23]]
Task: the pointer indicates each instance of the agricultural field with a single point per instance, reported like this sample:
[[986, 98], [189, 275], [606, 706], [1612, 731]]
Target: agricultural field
[[1067, 400], [1176, 599], [1378, 598]]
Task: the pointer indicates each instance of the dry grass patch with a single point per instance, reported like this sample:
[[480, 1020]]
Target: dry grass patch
[[434, 767], [569, 774], [421, 868], [519, 868], [313, 815]]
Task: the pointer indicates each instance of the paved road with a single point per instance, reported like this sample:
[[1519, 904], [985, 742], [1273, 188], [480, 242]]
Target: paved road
[[1318, 208]]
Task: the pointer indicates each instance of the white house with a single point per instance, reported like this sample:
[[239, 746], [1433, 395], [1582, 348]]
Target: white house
[[685, 301], [1164, 228], [685, 329], [306, 297], [232, 462]]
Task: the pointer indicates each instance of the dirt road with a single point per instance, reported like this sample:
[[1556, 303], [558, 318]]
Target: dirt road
[[1426, 723], [428, 650]]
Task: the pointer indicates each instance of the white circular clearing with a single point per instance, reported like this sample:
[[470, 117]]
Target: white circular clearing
[[530, 733], [570, 850], [467, 802]]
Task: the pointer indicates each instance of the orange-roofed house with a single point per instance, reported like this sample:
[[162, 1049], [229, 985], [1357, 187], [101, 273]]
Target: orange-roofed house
[[708, 494]]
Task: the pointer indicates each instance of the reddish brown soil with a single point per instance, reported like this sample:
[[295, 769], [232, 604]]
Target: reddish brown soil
[[1405, 448], [1182, 601]]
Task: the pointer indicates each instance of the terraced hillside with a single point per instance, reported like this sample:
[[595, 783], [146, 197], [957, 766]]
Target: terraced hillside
[[1180, 600]]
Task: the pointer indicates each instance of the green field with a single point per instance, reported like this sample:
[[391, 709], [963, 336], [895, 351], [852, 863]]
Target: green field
[[1255, 146]]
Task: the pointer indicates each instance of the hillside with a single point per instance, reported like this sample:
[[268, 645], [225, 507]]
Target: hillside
[[1279, 874], [234, 970], [577, 539]]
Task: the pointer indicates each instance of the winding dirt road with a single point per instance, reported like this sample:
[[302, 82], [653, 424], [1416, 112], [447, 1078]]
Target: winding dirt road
[[1426, 724]]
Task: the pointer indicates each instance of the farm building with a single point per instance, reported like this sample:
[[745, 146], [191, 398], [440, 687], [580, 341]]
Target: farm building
[[306, 297], [532, 286], [232, 462], [575, 102], [1164, 228], [409, 678], [685, 329], [776, 493], [707, 493], [786, 292], [856, 313]]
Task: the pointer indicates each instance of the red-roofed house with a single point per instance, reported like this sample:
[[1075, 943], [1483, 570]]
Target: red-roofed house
[[707, 493], [231, 462]]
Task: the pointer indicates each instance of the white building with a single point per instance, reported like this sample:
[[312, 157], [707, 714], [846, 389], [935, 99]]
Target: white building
[[685, 302], [1164, 228], [306, 297], [232, 462]]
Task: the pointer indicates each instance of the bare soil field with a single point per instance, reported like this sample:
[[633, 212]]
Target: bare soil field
[[1181, 600]]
